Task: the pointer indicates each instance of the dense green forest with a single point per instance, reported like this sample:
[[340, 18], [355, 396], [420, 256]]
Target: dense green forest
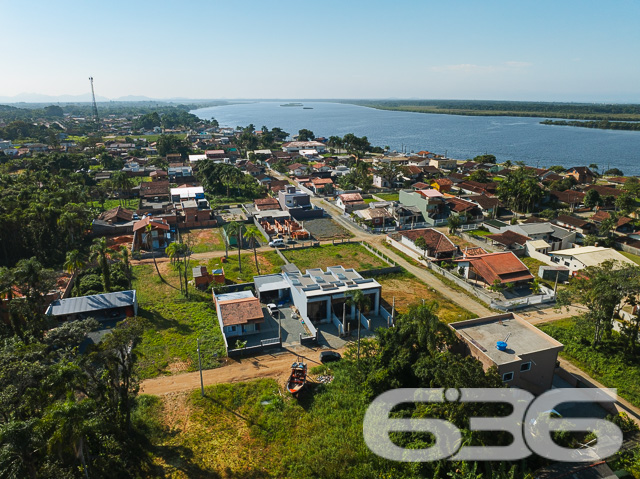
[[602, 124], [586, 111]]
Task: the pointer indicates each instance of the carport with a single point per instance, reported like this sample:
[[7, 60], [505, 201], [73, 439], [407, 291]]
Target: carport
[[272, 288]]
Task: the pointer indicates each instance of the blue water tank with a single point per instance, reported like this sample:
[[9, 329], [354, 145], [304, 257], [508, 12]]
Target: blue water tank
[[501, 345]]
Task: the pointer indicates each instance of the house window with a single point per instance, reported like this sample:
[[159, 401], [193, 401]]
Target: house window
[[507, 377], [525, 367]]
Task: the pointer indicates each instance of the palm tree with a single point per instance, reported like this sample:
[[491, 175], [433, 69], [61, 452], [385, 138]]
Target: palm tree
[[361, 301], [100, 252], [74, 263], [252, 234], [149, 243], [453, 223], [235, 229], [124, 255]]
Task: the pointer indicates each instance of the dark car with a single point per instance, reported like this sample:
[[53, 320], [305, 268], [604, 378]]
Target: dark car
[[329, 356]]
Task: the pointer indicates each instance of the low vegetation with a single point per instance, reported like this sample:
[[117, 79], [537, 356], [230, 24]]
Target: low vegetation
[[349, 255], [609, 362], [168, 344]]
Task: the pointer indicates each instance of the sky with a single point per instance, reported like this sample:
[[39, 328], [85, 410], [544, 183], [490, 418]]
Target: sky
[[540, 50]]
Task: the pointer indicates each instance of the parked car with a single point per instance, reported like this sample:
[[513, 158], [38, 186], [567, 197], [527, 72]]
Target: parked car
[[329, 356], [277, 243], [272, 308]]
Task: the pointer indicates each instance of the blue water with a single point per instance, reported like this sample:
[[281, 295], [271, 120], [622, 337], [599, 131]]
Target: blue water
[[460, 137]]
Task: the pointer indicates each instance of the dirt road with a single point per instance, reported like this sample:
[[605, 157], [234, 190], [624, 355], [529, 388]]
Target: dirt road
[[277, 366]]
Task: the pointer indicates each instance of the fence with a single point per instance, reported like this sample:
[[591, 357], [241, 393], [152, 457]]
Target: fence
[[386, 315], [338, 324], [475, 290], [378, 253], [366, 323], [627, 248], [264, 344]]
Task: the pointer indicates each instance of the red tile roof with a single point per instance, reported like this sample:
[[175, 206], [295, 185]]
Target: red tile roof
[[505, 267], [436, 241], [459, 205], [572, 221], [351, 197], [156, 223], [241, 311], [509, 238]]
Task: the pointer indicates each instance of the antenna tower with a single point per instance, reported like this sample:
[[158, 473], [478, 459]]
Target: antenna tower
[[94, 107]]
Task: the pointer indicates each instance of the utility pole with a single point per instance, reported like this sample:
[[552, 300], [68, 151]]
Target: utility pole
[[94, 108], [200, 367]]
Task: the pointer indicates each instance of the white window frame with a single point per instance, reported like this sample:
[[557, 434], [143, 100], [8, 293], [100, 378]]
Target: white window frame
[[528, 363], [504, 377]]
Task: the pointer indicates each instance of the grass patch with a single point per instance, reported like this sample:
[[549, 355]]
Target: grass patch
[[407, 290], [608, 363], [131, 204], [349, 255], [269, 263], [254, 429], [205, 239], [633, 257], [370, 200], [169, 343], [479, 233], [389, 196]]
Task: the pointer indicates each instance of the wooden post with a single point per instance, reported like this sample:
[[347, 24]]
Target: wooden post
[[200, 367]]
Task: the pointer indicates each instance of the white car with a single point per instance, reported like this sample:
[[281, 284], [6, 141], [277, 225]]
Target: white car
[[272, 308], [277, 243]]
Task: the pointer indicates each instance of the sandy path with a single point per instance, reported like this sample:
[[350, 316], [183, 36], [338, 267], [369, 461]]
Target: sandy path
[[277, 366]]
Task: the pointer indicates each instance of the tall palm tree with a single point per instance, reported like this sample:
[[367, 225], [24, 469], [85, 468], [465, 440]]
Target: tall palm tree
[[235, 229], [100, 252], [124, 255], [74, 263], [252, 234], [361, 301], [149, 240]]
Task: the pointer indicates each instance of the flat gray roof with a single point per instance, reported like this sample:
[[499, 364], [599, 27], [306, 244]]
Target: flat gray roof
[[270, 282], [523, 338], [96, 302]]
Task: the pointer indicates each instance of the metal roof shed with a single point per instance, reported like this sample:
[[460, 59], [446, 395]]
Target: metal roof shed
[[96, 302]]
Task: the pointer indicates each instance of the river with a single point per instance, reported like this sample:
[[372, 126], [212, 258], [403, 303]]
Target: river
[[460, 137]]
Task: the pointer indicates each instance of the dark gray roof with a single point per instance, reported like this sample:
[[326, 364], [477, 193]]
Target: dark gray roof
[[96, 302]]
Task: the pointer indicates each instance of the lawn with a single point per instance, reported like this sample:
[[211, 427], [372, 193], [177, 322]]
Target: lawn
[[349, 255], [174, 323], [479, 233], [269, 263], [131, 204], [609, 363], [407, 289], [204, 239], [633, 257], [389, 196]]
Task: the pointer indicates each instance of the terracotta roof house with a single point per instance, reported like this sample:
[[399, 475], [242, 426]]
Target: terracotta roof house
[[582, 174], [477, 187], [620, 180], [266, 204], [153, 189], [460, 207], [488, 204], [238, 313], [443, 185], [277, 185], [438, 245], [477, 251], [505, 267], [157, 174], [509, 239], [375, 217], [574, 223], [623, 225], [569, 197], [160, 233], [350, 201], [420, 186], [117, 215], [605, 190]]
